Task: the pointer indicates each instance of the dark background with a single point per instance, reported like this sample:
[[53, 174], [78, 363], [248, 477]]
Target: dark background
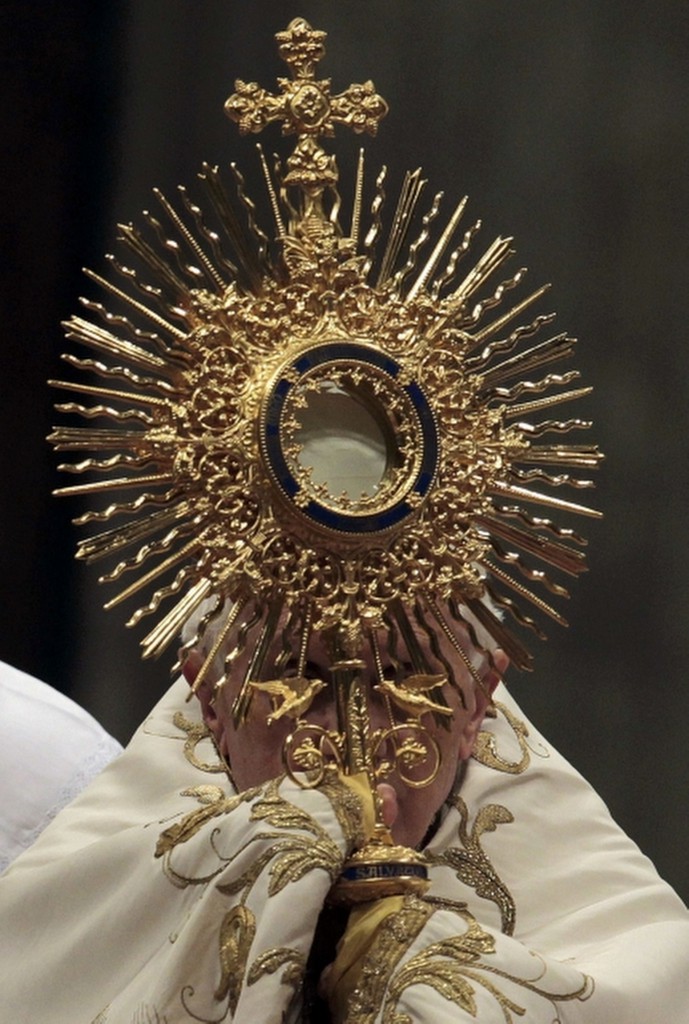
[[566, 123]]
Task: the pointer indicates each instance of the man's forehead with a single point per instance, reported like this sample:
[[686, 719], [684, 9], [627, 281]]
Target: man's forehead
[[266, 647], [392, 643]]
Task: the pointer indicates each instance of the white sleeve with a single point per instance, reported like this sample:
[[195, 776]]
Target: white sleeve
[[429, 965], [51, 750]]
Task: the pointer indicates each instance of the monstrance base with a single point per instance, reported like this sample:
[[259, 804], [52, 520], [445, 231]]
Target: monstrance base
[[380, 868]]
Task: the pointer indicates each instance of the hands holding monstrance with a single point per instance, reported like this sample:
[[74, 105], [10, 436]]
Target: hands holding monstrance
[[329, 434]]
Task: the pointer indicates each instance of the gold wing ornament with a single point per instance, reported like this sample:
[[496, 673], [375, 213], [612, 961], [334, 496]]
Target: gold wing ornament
[[335, 425], [296, 694]]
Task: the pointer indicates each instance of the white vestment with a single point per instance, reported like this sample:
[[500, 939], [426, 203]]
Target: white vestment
[[49, 751], [160, 897]]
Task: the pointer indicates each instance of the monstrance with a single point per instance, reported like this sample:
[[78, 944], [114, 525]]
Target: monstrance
[[327, 431]]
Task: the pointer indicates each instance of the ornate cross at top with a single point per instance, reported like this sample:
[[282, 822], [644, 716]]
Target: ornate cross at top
[[306, 106]]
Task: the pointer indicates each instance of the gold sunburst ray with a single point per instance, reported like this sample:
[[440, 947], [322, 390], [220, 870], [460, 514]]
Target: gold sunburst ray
[[141, 383], [107, 342], [457, 646], [528, 476], [528, 572], [507, 640], [540, 523], [244, 245], [167, 279], [532, 430], [242, 702], [431, 264], [102, 486], [419, 663], [503, 346], [481, 336], [101, 392], [447, 663], [443, 280], [250, 618], [193, 275], [221, 262], [295, 633], [304, 638], [78, 438], [181, 582], [416, 247], [358, 197], [117, 508], [216, 646], [525, 592], [138, 504], [191, 547], [106, 465], [561, 346], [547, 401], [170, 626], [140, 307], [583, 456], [376, 226], [540, 498], [529, 387], [561, 556], [488, 263], [412, 187], [152, 549], [272, 194], [108, 542], [118, 320], [504, 637], [254, 231], [93, 412], [185, 577], [211, 270], [482, 307]]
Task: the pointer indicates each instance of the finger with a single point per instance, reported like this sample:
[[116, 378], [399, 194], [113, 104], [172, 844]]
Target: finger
[[389, 804]]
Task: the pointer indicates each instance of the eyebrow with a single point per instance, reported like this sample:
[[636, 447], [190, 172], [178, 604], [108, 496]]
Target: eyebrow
[[312, 669]]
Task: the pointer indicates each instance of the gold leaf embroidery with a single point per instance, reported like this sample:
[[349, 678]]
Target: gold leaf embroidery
[[392, 941], [486, 751], [461, 970], [276, 811], [348, 810], [453, 967], [214, 801], [237, 932], [272, 960], [471, 864], [247, 881], [195, 733], [299, 856], [298, 845]]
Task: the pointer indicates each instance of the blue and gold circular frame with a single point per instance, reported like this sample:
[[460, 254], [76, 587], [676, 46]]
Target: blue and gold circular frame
[[348, 438]]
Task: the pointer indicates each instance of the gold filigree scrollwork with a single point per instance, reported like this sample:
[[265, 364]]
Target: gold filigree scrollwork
[[309, 752], [455, 968], [196, 732], [471, 863], [293, 845], [409, 751], [486, 750]]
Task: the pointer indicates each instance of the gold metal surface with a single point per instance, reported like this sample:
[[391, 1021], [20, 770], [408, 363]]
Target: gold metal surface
[[222, 346]]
